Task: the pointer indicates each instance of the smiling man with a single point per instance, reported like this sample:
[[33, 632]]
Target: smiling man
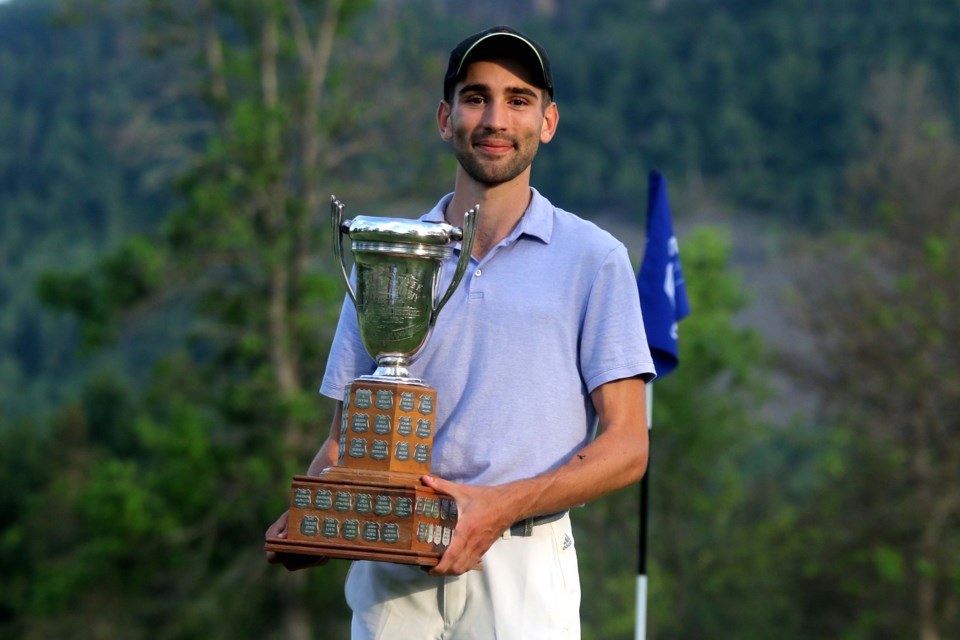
[[544, 338]]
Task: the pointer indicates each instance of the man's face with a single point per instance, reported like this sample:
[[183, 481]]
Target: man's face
[[497, 121]]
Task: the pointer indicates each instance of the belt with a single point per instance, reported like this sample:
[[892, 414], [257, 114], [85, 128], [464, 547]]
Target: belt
[[524, 528]]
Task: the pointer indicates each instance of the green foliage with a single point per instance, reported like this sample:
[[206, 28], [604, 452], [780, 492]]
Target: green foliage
[[715, 531], [762, 100], [890, 325], [721, 548], [74, 181], [123, 279], [164, 204]]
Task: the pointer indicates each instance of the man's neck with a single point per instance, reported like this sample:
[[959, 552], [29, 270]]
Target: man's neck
[[501, 208]]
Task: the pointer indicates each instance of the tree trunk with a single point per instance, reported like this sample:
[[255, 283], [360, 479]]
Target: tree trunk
[[282, 356], [213, 49], [315, 58]]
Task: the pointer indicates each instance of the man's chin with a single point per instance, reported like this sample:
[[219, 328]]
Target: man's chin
[[491, 175]]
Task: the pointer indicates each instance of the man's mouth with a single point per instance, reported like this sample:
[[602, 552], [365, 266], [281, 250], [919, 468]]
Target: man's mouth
[[494, 146]]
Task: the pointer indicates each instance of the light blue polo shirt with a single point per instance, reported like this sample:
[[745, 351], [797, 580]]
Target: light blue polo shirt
[[550, 314]]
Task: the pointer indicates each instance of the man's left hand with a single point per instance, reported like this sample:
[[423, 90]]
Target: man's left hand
[[483, 515]]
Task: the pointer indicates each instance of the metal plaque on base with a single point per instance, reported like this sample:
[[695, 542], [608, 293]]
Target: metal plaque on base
[[373, 505]]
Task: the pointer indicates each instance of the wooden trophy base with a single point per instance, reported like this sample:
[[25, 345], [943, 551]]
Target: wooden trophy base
[[373, 506], [363, 515]]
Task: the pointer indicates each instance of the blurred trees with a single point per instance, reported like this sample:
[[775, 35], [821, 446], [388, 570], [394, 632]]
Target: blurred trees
[[720, 550], [883, 305], [168, 491], [78, 174], [167, 161], [759, 103]]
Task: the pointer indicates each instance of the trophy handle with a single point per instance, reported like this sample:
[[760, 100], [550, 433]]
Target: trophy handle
[[336, 217], [467, 236]]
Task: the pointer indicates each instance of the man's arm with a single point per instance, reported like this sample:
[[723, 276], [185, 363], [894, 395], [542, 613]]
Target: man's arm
[[617, 457], [329, 451], [327, 456]]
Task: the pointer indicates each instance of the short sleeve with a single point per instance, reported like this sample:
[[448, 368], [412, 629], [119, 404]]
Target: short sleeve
[[613, 342]]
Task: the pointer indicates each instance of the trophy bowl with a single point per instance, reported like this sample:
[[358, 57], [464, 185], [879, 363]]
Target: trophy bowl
[[397, 264]]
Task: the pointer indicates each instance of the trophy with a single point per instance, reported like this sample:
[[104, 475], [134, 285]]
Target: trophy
[[373, 505]]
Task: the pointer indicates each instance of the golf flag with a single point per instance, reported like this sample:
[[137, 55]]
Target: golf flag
[[663, 295], [663, 300]]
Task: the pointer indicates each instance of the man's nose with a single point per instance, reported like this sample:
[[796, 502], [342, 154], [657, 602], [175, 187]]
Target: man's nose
[[495, 115]]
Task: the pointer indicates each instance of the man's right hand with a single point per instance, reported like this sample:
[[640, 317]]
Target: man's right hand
[[292, 561]]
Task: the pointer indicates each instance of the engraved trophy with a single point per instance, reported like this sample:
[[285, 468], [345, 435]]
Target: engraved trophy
[[372, 505]]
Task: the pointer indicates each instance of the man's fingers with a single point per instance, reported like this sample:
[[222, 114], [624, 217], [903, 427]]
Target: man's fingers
[[437, 484]]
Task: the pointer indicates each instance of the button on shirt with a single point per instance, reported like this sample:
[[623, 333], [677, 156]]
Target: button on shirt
[[551, 313]]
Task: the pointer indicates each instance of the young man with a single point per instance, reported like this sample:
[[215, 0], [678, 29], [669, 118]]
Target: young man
[[544, 335]]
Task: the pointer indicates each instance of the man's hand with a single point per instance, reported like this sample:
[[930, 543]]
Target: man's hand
[[292, 561], [483, 515]]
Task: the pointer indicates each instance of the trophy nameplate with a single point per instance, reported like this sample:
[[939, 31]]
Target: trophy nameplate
[[373, 505]]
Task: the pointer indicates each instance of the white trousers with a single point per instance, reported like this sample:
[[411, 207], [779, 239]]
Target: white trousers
[[528, 589]]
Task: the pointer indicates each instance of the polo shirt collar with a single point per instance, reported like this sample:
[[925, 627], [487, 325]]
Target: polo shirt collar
[[537, 220]]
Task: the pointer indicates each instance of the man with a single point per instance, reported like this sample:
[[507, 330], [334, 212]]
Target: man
[[544, 335]]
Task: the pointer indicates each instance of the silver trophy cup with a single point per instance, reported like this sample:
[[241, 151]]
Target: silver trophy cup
[[398, 264], [373, 505]]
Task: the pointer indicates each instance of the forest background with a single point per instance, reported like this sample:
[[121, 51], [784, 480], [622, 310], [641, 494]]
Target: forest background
[[167, 298]]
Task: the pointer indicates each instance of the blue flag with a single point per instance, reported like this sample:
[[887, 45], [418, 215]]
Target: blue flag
[[663, 295]]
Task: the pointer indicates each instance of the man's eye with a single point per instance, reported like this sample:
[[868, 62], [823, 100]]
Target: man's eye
[[474, 100]]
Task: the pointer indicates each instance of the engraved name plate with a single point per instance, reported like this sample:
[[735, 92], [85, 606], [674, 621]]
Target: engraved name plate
[[324, 500], [381, 425], [426, 405], [331, 527], [362, 398], [301, 498], [405, 425], [310, 525], [362, 503], [343, 501], [421, 453], [391, 533], [361, 422], [407, 400], [383, 506], [384, 399], [351, 529], [358, 448], [403, 507], [380, 450], [343, 439], [371, 531], [423, 428]]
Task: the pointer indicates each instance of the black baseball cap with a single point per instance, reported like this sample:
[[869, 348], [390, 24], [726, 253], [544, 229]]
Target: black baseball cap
[[499, 42]]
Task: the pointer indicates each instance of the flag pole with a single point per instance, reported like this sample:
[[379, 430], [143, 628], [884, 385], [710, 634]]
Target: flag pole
[[663, 301], [640, 625]]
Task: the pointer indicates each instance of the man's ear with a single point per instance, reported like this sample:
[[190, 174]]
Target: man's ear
[[443, 120], [551, 118]]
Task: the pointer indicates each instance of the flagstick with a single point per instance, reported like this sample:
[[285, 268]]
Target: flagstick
[[640, 628]]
